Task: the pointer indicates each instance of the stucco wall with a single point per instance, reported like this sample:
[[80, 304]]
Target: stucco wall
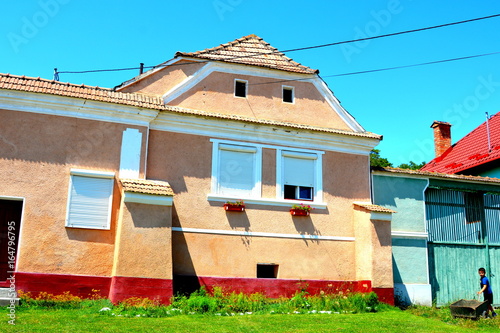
[[185, 162], [406, 197], [264, 100], [410, 260], [37, 153], [144, 241], [164, 79]]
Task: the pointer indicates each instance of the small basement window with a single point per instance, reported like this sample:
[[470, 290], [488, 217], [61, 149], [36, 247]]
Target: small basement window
[[288, 94], [240, 88], [267, 271]]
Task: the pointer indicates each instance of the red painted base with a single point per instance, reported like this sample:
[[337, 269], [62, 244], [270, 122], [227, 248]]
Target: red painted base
[[385, 295], [56, 284], [127, 287], [273, 288], [115, 288]]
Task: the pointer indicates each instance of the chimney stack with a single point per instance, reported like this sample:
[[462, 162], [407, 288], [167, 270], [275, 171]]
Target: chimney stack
[[442, 136]]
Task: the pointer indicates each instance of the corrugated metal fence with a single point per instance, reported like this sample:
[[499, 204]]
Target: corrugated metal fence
[[464, 234]]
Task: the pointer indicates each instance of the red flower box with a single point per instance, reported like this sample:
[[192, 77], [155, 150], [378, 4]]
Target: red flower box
[[299, 212], [234, 208]]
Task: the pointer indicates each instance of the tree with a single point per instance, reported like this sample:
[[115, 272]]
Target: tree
[[377, 161], [412, 165]]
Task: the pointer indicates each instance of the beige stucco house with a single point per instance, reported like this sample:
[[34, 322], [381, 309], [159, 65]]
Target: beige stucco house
[[122, 190]]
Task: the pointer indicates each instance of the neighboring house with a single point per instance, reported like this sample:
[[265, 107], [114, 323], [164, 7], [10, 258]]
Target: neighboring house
[[446, 227], [122, 190], [477, 153]]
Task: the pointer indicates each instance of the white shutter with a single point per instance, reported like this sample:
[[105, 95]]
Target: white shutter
[[237, 170], [299, 169], [89, 203]]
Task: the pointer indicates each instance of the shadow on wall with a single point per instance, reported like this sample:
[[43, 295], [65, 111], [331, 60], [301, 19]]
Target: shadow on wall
[[185, 280]]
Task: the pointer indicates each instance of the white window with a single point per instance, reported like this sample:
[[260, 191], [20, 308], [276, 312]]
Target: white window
[[89, 199], [240, 88], [288, 94], [299, 176], [237, 173], [236, 170]]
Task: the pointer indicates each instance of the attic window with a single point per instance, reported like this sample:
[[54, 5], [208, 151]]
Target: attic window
[[288, 94], [240, 88]]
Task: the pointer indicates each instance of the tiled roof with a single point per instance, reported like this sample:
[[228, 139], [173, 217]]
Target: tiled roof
[[437, 175], [38, 85], [146, 186], [472, 150], [374, 208], [250, 50]]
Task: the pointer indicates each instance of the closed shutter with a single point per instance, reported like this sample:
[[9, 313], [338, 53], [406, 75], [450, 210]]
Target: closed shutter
[[237, 170], [90, 202], [298, 169]]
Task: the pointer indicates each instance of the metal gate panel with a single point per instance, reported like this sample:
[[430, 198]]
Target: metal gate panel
[[453, 271]]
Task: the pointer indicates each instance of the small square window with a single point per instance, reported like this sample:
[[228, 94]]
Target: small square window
[[267, 271], [288, 94], [240, 88]]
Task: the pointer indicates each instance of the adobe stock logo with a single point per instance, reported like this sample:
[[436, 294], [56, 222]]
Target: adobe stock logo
[[223, 6], [381, 19], [31, 25]]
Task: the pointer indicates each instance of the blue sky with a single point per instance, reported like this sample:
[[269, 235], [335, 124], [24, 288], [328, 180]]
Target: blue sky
[[72, 35]]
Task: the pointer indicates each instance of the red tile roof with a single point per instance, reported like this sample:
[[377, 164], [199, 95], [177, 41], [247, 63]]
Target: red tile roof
[[250, 50], [51, 87], [472, 150]]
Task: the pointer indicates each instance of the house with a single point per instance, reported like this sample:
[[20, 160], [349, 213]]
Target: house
[[476, 154], [447, 226], [122, 190]]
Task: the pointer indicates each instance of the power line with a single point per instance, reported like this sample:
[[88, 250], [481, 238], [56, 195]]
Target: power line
[[393, 34], [290, 50], [386, 69], [415, 65]]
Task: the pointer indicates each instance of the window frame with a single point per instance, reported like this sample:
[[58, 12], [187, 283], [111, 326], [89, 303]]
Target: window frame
[[290, 88], [317, 191], [216, 165], [256, 197], [109, 176], [246, 87]]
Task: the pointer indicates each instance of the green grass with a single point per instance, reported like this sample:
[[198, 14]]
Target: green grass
[[232, 312], [89, 320]]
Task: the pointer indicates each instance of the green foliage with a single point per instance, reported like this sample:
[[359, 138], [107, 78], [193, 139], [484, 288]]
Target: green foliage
[[412, 165], [377, 161]]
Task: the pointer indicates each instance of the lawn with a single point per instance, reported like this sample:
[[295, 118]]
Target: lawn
[[218, 311], [391, 320]]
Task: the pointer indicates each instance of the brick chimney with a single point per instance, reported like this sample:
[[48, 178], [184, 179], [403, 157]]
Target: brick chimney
[[442, 136]]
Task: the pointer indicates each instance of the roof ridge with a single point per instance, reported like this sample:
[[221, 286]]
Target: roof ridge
[[24, 77], [241, 51]]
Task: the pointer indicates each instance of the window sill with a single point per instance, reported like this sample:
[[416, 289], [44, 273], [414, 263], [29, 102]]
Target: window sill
[[266, 202]]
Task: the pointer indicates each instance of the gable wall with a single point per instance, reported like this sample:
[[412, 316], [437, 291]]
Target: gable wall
[[164, 79], [215, 93]]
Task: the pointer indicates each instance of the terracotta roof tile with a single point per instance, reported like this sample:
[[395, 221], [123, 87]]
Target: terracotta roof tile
[[472, 150], [149, 102], [374, 208], [144, 186], [438, 174], [250, 50]]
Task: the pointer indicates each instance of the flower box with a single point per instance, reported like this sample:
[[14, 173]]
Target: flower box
[[299, 212], [234, 207]]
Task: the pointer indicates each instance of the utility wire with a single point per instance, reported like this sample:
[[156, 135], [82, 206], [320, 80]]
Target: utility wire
[[384, 69], [290, 50]]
